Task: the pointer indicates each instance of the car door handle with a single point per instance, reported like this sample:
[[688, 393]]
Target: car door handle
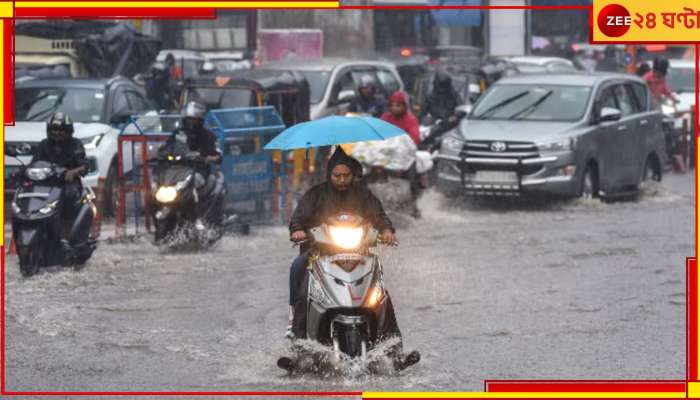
[[622, 128], [643, 122]]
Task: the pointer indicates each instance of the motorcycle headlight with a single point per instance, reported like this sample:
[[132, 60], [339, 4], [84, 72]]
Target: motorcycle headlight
[[92, 142], [561, 145], [375, 296], [38, 174], [452, 143], [166, 194], [346, 238], [49, 208]]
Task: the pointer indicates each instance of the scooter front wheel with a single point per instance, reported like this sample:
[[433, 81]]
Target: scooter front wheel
[[29, 260]]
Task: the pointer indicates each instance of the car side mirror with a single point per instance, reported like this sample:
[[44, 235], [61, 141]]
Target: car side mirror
[[610, 114], [346, 96]]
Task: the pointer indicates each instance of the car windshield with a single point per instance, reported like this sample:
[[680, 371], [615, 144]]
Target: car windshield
[[681, 79], [317, 83], [39, 103], [533, 103], [221, 97]]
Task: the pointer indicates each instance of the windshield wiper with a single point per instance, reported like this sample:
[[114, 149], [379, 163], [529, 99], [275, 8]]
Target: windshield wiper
[[55, 106], [501, 104], [532, 107]]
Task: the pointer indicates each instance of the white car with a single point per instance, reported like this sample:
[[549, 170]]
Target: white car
[[681, 79], [97, 107], [528, 64], [333, 81]]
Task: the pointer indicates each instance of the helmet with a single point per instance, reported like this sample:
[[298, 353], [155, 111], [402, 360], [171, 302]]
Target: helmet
[[442, 80], [661, 65], [193, 116], [366, 81], [193, 109], [59, 127]]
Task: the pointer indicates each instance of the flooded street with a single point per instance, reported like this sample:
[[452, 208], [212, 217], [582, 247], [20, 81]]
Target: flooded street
[[567, 290]]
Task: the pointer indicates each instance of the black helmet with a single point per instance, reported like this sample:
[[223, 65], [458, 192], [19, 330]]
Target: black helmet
[[442, 80], [59, 127], [661, 66]]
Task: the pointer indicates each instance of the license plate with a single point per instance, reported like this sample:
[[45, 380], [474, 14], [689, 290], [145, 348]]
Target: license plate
[[496, 177]]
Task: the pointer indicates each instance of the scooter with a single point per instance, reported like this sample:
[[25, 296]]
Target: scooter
[[37, 223], [346, 307], [186, 207]]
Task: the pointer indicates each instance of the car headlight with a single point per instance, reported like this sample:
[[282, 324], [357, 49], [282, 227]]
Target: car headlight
[[668, 109], [452, 143], [346, 238], [49, 207], [561, 145], [166, 194], [38, 174], [92, 142]]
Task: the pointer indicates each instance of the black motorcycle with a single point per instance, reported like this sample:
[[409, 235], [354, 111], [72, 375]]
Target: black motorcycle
[[186, 206], [37, 223]]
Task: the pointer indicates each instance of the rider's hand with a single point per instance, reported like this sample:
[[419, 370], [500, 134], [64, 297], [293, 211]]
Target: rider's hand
[[298, 236], [71, 174], [388, 236]]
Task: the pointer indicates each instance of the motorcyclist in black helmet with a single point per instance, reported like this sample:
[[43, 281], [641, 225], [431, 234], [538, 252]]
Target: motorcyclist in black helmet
[[368, 101], [442, 102], [62, 149]]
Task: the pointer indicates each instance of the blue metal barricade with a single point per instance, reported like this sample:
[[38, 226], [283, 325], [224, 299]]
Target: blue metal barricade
[[249, 171]]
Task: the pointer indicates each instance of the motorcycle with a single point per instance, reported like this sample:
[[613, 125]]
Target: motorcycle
[[185, 206], [346, 307], [37, 223]]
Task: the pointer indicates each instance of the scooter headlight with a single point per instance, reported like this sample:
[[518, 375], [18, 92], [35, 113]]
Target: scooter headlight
[[166, 194], [15, 208], [49, 208], [346, 238], [38, 174], [375, 296]]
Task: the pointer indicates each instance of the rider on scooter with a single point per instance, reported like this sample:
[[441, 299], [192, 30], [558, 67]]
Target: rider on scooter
[[342, 191], [62, 149], [198, 139]]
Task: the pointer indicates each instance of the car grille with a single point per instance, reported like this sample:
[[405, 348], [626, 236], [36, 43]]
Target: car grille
[[509, 151]]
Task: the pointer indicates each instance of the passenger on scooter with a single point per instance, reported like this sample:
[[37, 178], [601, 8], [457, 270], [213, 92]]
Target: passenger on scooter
[[62, 149], [401, 116], [342, 191]]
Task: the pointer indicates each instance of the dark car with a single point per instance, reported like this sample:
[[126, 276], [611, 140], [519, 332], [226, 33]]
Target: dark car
[[566, 134]]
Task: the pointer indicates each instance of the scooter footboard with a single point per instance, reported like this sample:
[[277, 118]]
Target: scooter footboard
[[80, 233]]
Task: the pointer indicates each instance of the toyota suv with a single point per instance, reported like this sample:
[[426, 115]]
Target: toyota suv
[[564, 134]]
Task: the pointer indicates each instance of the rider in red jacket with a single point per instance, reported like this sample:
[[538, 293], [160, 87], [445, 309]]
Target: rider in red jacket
[[401, 116]]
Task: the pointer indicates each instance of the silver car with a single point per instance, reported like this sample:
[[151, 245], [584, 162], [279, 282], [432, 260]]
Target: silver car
[[564, 134]]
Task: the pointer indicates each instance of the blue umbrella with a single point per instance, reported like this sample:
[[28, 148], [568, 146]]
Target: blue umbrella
[[333, 130]]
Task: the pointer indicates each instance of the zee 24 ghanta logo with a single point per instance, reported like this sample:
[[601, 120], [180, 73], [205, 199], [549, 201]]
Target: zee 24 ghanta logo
[[614, 20]]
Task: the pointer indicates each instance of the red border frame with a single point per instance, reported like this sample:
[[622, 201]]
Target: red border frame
[[489, 385]]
